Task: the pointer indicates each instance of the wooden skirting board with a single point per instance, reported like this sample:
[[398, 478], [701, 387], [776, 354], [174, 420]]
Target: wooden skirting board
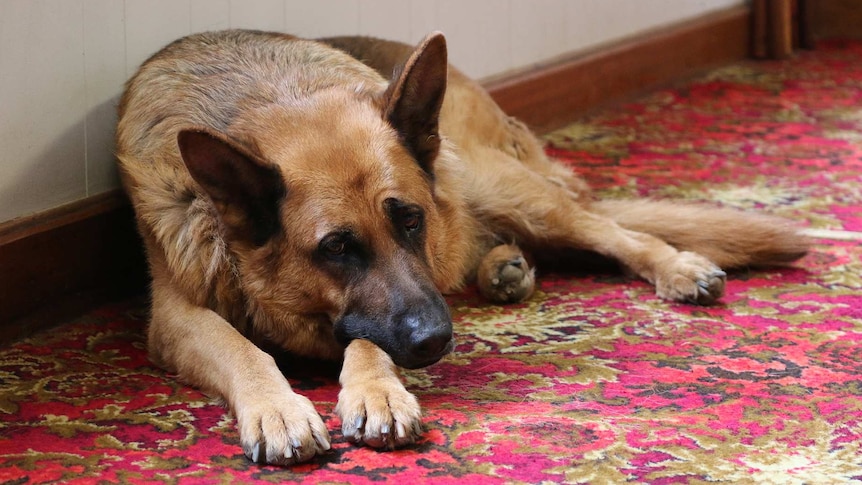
[[827, 19], [547, 96], [60, 263]]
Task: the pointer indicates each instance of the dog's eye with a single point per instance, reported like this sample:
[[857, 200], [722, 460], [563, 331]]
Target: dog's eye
[[342, 249], [334, 245], [412, 221], [405, 217]]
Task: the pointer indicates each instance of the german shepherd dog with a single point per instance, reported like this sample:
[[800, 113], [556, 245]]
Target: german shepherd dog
[[320, 196]]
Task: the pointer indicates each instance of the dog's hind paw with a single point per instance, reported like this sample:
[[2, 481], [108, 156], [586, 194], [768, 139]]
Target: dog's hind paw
[[281, 429], [380, 414], [504, 275], [691, 278]]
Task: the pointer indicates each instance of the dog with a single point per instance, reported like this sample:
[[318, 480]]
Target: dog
[[322, 195]]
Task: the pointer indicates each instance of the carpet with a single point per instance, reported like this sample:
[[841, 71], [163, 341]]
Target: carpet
[[594, 379]]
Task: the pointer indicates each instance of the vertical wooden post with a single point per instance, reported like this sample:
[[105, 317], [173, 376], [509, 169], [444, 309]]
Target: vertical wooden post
[[806, 36], [780, 28], [759, 29]]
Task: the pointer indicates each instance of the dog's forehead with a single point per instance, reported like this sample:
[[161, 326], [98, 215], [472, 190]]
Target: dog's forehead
[[352, 193], [341, 161], [338, 140]]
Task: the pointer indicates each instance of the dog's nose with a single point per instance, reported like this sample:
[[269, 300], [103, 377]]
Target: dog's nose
[[427, 341], [430, 343]]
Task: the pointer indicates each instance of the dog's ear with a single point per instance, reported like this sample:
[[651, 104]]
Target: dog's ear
[[414, 97], [245, 190]]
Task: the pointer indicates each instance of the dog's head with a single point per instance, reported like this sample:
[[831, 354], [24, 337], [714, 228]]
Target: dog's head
[[329, 208]]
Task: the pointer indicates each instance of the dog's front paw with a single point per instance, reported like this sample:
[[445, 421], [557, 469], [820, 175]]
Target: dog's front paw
[[281, 428], [380, 414], [504, 275], [691, 278]]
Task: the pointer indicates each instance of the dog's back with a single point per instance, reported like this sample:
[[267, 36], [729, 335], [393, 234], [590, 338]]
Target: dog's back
[[210, 79]]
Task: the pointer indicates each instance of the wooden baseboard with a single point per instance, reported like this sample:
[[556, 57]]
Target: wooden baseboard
[[60, 263], [833, 18], [548, 96]]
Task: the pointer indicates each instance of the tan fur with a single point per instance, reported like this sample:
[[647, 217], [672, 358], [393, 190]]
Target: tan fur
[[250, 159]]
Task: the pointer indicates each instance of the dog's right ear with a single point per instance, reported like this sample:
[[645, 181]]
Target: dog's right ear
[[245, 190]]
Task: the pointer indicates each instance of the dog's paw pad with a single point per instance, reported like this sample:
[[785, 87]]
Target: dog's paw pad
[[505, 276]]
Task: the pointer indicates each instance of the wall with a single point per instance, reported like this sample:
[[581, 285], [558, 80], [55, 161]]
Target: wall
[[63, 62]]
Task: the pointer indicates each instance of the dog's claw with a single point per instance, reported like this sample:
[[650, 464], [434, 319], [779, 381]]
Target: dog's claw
[[379, 437], [691, 278], [282, 429], [379, 418], [255, 452], [322, 442]]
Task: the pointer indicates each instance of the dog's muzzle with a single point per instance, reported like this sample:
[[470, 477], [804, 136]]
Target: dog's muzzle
[[418, 336]]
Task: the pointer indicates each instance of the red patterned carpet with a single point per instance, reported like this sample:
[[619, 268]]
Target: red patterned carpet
[[592, 381]]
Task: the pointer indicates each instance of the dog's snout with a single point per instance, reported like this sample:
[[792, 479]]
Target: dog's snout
[[409, 319]]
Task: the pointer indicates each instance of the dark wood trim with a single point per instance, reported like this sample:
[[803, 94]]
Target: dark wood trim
[[23, 227], [60, 263], [827, 19], [548, 96]]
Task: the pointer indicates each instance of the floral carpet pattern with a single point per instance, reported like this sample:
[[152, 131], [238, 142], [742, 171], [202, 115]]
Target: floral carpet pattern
[[593, 380]]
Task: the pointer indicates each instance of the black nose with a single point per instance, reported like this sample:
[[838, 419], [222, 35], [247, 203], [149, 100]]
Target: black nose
[[426, 339], [429, 343]]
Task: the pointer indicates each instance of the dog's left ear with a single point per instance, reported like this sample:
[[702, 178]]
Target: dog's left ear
[[413, 100]]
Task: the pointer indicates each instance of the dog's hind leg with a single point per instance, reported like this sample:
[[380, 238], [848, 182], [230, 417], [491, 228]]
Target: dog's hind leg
[[505, 275], [513, 200]]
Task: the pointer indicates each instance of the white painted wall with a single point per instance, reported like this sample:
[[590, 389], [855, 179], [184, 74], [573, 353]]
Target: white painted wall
[[63, 62]]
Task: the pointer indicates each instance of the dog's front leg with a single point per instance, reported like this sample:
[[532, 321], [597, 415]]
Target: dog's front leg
[[276, 425], [373, 404]]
